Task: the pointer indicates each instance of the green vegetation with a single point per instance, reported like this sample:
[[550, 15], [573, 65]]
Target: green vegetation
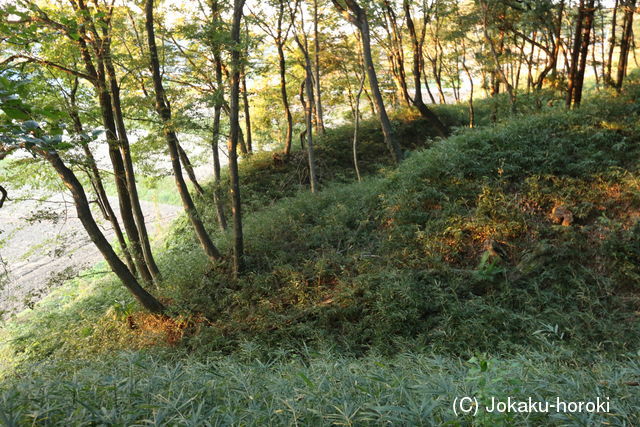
[[309, 389], [374, 302]]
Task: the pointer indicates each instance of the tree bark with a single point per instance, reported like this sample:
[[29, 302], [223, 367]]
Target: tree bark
[[316, 53], [188, 166], [147, 300], [499, 72], [625, 41], [553, 61], [217, 198], [356, 126], [164, 111], [308, 108], [96, 181], [285, 99], [98, 77], [358, 17], [247, 116], [417, 72], [612, 43], [579, 55], [124, 199], [103, 54], [236, 207]]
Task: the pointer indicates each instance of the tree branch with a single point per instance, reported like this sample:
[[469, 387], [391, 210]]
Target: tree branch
[[31, 59]]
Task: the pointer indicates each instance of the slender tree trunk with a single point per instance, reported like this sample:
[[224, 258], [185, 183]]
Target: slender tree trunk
[[356, 126], [472, 115], [98, 76], [426, 85], [109, 214], [359, 19], [217, 198], [500, 75], [188, 166], [247, 116], [572, 75], [124, 199], [308, 85], [396, 53], [594, 62], [147, 300], [372, 104], [625, 41], [164, 112], [316, 60], [584, 51], [125, 152], [612, 43], [96, 181], [417, 72], [238, 242], [303, 133], [553, 62], [285, 98]]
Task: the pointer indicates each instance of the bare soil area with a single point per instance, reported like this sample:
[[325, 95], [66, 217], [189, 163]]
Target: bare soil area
[[43, 243]]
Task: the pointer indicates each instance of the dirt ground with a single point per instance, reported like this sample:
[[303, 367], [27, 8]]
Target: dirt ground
[[43, 243]]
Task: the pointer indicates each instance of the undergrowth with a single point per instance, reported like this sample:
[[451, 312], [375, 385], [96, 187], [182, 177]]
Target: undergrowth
[[313, 389], [455, 252]]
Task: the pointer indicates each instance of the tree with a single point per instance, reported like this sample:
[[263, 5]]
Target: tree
[[308, 105], [285, 17], [88, 34], [626, 41], [357, 16], [164, 111], [581, 41], [28, 134], [236, 206], [316, 61], [417, 43]]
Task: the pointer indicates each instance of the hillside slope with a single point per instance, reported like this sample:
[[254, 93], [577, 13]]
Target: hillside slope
[[514, 247]]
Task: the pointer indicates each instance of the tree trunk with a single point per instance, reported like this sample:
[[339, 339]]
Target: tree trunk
[[96, 181], [217, 198], [236, 207], [186, 164], [612, 43], [285, 98], [109, 214], [499, 72], [417, 71], [247, 116], [585, 18], [625, 41], [98, 76], [356, 126], [359, 19], [472, 114], [316, 53], [125, 152], [553, 60], [147, 300], [124, 199], [308, 86], [164, 111]]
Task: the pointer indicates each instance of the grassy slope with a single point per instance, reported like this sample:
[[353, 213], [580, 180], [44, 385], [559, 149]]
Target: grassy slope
[[395, 263]]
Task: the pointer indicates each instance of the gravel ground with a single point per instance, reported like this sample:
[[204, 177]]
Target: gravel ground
[[38, 253]]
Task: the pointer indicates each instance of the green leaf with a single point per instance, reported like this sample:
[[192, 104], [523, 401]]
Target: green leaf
[[15, 113]]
